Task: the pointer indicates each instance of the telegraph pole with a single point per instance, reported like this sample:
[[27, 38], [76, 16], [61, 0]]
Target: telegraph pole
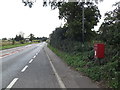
[[83, 25]]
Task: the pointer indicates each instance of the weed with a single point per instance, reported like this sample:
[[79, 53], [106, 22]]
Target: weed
[[84, 62]]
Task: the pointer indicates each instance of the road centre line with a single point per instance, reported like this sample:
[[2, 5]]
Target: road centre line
[[60, 82], [24, 68], [12, 83], [34, 56], [30, 60], [36, 53]]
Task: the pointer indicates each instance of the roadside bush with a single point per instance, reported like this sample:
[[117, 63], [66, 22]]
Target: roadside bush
[[84, 62]]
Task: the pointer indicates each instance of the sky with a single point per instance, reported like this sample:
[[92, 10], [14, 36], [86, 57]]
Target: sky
[[38, 20]]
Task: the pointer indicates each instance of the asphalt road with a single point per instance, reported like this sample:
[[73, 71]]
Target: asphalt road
[[36, 66], [13, 63]]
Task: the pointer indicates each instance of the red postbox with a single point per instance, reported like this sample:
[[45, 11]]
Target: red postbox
[[99, 50]]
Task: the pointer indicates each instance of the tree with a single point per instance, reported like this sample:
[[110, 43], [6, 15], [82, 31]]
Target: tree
[[72, 13], [44, 38], [55, 3], [28, 2], [13, 41], [16, 38], [4, 38], [31, 37], [57, 37], [20, 37], [109, 30]]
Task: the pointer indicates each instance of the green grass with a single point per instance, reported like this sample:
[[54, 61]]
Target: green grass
[[12, 46], [6, 44], [96, 72]]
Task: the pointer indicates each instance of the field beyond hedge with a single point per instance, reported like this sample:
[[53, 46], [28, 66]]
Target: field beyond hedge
[[9, 44]]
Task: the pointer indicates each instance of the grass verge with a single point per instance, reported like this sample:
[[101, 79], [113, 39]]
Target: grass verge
[[12, 46], [106, 75]]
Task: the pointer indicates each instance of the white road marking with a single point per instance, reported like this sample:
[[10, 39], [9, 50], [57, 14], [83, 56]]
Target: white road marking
[[24, 68], [34, 56], [56, 74], [36, 53], [12, 83], [30, 60]]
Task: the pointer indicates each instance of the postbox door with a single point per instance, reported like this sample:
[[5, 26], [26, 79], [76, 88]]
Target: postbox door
[[99, 50]]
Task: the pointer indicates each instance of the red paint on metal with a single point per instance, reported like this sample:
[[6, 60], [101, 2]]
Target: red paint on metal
[[99, 50]]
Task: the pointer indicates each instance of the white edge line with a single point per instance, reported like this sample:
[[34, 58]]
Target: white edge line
[[12, 83], [30, 60], [56, 74], [24, 68]]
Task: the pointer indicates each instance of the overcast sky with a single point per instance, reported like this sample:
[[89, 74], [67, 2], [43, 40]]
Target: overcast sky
[[39, 20]]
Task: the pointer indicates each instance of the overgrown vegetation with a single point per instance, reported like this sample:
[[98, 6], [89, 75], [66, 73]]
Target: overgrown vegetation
[[106, 74], [67, 42]]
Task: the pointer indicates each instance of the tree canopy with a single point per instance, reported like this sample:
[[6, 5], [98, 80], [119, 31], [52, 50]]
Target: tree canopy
[[65, 38], [31, 37], [72, 13], [55, 3], [109, 29]]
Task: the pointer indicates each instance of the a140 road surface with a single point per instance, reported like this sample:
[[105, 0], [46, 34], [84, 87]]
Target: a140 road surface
[[36, 66]]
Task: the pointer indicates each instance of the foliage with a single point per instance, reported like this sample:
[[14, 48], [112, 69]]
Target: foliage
[[66, 38], [109, 31], [19, 38], [53, 3], [72, 13], [57, 36], [28, 2], [31, 37], [13, 42], [59, 40], [4, 38], [57, 3], [107, 72], [44, 38]]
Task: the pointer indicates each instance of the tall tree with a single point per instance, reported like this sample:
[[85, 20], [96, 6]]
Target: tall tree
[[57, 37], [31, 37], [72, 13], [55, 3], [109, 30]]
